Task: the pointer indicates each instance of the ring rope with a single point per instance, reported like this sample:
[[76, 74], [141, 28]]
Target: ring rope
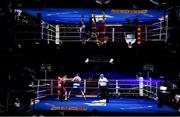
[[149, 91]]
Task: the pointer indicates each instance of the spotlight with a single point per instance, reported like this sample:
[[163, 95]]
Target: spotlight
[[111, 60], [102, 2], [163, 88], [87, 60], [162, 77], [19, 46], [37, 43]]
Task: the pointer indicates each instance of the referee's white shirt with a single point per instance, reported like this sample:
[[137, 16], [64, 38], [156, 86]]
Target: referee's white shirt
[[103, 81]]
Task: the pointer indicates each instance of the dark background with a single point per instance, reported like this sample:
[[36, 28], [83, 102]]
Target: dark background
[[70, 57], [92, 3]]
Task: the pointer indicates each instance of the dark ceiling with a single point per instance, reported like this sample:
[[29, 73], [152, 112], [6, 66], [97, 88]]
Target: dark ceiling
[[87, 3], [92, 3], [82, 3]]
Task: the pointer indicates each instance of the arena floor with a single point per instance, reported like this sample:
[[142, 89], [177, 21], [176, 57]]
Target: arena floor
[[117, 106]]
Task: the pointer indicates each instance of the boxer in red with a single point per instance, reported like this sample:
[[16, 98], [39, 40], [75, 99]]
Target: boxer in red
[[61, 87], [102, 30]]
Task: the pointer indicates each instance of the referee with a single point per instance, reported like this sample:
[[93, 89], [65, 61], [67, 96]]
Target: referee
[[103, 86]]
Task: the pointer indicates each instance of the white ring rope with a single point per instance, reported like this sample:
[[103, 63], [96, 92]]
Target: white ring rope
[[160, 27], [43, 91], [122, 84], [148, 90], [125, 88]]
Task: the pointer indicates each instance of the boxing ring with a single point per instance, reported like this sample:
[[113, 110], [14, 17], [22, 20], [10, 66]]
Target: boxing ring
[[63, 32], [126, 96], [114, 32]]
